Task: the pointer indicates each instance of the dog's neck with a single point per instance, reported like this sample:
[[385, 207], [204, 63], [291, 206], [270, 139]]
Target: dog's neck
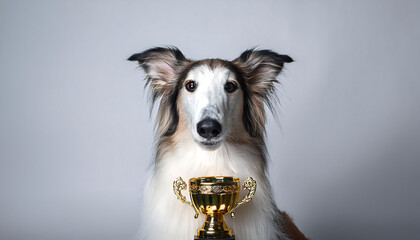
[[183, 153]]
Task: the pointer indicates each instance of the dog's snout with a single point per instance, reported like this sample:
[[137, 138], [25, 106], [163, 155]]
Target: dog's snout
[[209, 128]]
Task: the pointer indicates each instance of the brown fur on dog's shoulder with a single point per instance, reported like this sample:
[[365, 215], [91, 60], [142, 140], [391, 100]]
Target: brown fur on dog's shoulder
[[291, 230]]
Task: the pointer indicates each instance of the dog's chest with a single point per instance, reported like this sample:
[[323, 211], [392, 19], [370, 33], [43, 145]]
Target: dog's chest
[[168, 216]]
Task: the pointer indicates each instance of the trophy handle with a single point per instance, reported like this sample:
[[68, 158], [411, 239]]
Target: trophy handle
[[251, 185], [180, 185]]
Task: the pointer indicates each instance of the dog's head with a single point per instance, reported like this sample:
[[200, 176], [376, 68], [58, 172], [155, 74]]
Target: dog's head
[[217, 99]]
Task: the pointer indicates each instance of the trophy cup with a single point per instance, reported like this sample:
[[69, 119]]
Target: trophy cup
[[214, 197]]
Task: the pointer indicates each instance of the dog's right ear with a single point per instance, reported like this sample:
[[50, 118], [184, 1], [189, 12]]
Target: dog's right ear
[[161, 65]]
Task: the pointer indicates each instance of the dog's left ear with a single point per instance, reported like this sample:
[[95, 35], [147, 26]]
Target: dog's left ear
[[260, 69]]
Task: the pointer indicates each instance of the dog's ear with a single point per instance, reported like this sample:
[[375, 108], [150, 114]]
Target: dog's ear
[[162, 66], [260, 69]]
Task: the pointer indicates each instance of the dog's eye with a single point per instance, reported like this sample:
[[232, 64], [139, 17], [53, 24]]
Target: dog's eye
[[190, 86], [230, 87]]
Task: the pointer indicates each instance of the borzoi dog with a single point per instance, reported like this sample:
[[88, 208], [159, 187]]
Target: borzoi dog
[[211, 122]]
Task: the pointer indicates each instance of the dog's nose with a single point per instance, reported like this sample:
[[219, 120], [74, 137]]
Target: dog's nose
[[209, 128]]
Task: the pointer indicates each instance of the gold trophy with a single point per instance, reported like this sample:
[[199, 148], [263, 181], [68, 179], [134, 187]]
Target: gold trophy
[[214, 197]]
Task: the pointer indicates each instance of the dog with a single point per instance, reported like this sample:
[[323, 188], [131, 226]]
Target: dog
[[211, 122]]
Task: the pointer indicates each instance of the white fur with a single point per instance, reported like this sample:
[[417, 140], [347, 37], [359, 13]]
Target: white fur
[[165, 216]]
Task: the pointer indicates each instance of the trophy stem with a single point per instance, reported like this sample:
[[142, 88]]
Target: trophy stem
[[214, 227]]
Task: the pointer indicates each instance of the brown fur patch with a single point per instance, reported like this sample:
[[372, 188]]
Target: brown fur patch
[[290, 228]]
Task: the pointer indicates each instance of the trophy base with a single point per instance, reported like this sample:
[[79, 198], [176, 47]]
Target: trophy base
[[228, 238]]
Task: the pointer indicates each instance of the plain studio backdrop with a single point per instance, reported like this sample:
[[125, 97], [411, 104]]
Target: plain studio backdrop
[[76, 138]]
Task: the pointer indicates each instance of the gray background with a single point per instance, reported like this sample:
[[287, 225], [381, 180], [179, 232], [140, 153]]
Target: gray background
[[76, 139]]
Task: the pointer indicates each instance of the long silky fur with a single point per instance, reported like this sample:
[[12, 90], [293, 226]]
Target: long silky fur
[[242, 154]]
